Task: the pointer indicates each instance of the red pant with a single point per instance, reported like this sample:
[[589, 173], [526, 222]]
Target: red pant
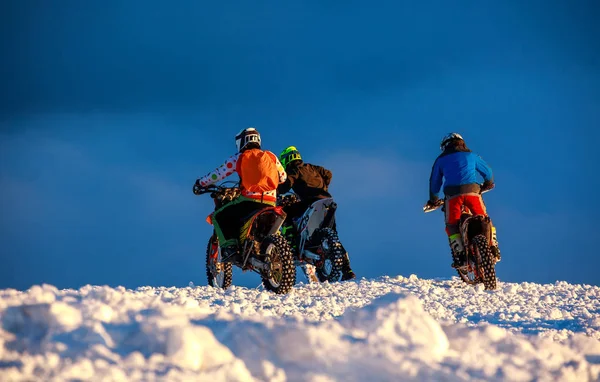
[[457, 205]]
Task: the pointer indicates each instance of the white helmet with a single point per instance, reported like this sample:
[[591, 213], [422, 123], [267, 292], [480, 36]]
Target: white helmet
[[448, 138], [247, 135]]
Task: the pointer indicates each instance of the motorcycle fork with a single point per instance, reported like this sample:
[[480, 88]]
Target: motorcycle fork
[[214, 248], [214, 252]]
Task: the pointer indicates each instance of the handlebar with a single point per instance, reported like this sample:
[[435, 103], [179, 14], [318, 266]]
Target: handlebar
[[198, 190], [217, 189], [287, 199]]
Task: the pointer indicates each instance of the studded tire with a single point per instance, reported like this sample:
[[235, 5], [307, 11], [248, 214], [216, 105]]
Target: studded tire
[[282, 277], [219, 275], [331, 269], [488, 263]]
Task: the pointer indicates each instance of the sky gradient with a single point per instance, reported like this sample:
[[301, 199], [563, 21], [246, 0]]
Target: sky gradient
[[110, 110]]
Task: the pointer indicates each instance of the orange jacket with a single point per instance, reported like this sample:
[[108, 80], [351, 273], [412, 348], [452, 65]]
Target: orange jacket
[[230, 166]]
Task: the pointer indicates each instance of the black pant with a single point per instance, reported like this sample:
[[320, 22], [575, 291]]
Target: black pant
[[294, 211], [297, 209], [233, 216]]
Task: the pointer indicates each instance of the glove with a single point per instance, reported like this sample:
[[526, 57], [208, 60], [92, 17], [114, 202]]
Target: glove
[[197, 187], [287, 199], [434, 202], [487, 185]]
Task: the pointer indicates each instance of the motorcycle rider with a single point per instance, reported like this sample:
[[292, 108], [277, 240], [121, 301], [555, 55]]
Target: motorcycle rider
[[310, 183], [459, 166], [260, 173]]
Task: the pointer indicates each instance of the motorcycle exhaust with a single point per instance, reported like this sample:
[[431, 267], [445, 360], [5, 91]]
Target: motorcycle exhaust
[[276, 225]]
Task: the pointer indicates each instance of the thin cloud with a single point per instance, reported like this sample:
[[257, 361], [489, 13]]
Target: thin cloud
[[358, 175]]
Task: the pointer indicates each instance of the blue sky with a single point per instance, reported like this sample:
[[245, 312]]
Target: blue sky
[[110, 111]]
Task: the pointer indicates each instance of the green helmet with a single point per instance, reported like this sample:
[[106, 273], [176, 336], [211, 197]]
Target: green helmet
[[289, 155]]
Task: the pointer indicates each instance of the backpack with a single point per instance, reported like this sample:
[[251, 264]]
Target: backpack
[[257, 170]]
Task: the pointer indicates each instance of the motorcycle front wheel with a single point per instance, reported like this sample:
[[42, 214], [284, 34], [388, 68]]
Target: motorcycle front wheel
[[219, 274]]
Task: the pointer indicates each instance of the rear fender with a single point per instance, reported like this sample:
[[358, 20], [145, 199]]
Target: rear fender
[[319, 213], [473, 225]]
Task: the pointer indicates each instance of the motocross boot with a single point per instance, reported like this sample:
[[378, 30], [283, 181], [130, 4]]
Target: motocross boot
[[347, 273], [309, 272], [458, 252], [494, 247]]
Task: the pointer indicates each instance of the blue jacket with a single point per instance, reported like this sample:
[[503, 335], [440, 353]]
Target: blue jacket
[[459, 169]]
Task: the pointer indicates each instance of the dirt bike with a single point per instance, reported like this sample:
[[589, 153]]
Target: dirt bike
[[476, 234], [262, 249], [314, 240]]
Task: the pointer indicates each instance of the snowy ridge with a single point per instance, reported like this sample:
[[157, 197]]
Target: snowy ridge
[[387, 329]]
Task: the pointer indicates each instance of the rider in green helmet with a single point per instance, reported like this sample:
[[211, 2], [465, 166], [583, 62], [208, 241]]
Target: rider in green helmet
[[310, 182]]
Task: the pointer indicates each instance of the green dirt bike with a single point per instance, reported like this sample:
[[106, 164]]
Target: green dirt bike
[[314, 241], [262, 248]]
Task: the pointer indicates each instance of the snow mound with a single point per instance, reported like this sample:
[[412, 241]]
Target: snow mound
[[53, 341], [402, 329], [399, 321]]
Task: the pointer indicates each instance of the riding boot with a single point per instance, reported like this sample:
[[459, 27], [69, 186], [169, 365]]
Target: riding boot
[[458, 251], [309, 272], [494, 247]]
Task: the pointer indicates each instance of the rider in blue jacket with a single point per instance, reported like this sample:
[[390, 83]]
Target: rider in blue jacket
[[459, 168]]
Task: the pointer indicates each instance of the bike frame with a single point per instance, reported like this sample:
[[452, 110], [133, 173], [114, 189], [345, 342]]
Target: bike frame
[[246, 246], [279, 216]]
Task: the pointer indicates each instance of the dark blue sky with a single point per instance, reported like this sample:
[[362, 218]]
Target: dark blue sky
[[110, 110]]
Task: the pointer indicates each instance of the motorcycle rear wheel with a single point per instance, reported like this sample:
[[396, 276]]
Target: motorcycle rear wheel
[[473, 273], [282, 275], [487, 262], [331, 269]]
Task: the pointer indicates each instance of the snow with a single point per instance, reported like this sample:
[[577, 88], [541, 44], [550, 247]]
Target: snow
[[386, 329]]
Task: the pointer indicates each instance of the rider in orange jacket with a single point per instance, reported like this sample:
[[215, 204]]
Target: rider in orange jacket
[[260, 173]]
